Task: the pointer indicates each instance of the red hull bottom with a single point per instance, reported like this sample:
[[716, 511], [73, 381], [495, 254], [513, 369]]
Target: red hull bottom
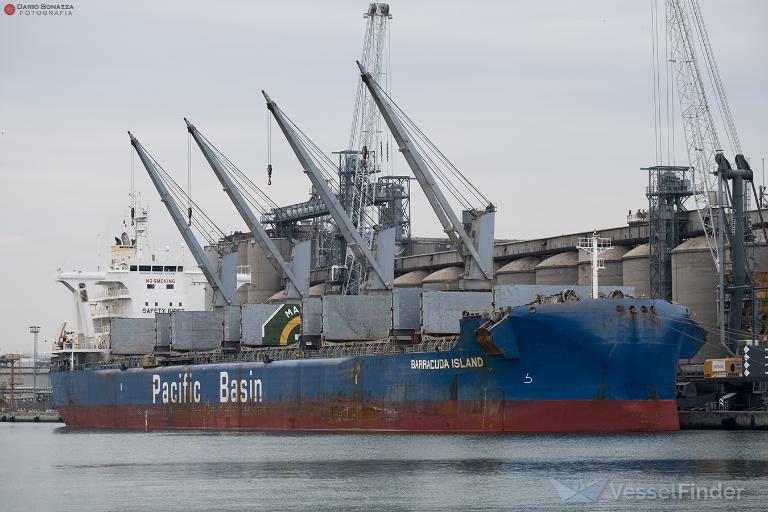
[[449, 416]]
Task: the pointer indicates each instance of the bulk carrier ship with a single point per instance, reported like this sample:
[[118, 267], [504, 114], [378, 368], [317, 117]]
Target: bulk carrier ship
[[355, 352], [605, 365]]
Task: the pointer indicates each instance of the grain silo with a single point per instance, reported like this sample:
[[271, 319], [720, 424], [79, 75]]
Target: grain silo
[[611, 275], [694, 285], [560, 269], [443, 279], [757, 253], [411, 279], [265, 280], [636, 270], [314, 291], [241, 297], [522, 271]]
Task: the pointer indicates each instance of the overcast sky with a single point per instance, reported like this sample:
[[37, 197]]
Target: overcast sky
[[546, 106]]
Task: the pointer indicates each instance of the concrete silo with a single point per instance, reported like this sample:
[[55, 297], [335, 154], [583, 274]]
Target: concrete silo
[[694, 285], [560, 269], [265, 280], [241, 296], [522, 271], [411, 279], [636, 270], [611, 275], [314, 291], [443, 279]]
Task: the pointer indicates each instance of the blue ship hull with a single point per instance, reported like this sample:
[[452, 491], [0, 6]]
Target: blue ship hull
[[593, 366]]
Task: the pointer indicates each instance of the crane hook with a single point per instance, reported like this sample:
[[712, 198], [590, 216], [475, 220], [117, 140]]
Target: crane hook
[[269, 174]]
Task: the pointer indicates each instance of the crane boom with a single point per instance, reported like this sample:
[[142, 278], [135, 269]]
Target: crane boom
[[221, 293], [437, 200], [355, 242], [300, 285]]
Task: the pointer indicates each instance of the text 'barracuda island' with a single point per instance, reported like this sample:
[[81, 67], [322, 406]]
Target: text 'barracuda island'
[[445, 363]]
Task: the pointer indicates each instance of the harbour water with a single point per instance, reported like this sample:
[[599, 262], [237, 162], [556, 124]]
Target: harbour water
[[48, 467]]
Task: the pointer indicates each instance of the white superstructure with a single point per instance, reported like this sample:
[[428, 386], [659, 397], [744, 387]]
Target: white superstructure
[[136, 284]]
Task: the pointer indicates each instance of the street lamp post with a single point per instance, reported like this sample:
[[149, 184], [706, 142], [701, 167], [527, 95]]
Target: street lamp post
[[35, 329]]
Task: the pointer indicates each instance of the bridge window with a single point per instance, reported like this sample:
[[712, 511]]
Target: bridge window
[[144, 268], [134, 268], [150, 287], [169, 287], [180, 268], [157, 268]]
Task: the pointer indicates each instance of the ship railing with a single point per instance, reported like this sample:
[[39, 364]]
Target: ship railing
[[266, 354], [113, 292]]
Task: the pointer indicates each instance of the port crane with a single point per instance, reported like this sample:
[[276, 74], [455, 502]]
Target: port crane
[[223, 280], [364, 155], [297, 270], [380, 262], [473, 237], [710, 170]]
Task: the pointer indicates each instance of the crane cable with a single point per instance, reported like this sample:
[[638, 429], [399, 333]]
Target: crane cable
[[263, 203], [202, 223], [323, 162], [447, 170], [714, 76], [269, 148], [189, 179]]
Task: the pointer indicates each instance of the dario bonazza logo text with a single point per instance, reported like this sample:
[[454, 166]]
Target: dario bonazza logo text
[[39, 9]]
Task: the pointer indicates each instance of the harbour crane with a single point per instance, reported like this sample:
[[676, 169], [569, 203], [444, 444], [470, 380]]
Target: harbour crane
[[382, 262], [223, 280], [364, 156], [297, 271], [473, 238], [710, 169]]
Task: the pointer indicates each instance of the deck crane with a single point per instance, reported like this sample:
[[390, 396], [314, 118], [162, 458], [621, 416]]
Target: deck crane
[[709, 168], [382, 262], [297, 271], [474, 237], [223, 280]]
